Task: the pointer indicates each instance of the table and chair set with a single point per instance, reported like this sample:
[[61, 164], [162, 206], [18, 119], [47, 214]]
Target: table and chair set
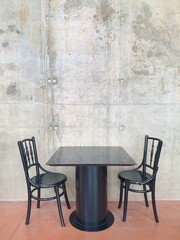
[[91, 164]]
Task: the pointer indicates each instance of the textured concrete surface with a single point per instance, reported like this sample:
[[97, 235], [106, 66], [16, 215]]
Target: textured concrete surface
[[89, 73]]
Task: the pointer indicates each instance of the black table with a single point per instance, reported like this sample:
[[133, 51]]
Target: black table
[[91, 163]]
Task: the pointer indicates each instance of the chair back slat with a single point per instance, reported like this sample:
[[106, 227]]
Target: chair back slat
[[31, 152], [152, 150], [28, 152], [152, 153]]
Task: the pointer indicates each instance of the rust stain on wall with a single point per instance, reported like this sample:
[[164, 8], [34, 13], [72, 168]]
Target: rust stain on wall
[[23, 16]]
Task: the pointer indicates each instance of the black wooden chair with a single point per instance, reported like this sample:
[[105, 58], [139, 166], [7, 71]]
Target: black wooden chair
[[38, 178], [144, 175]]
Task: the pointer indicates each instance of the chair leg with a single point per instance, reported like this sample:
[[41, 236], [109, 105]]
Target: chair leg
[[28, 207], [120, 195], [154, 204], [125, 201], [66, 196], [145, 196], [56, 189], [39, 195]]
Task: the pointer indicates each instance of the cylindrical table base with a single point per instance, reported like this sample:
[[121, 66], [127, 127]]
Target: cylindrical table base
[[84, 227], [91, 199]]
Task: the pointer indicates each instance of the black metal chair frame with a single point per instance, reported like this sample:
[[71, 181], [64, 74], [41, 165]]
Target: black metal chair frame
[[28, 152], [147, 178]]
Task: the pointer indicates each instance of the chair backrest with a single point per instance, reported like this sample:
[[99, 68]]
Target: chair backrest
[[152, 151], [28, 152]]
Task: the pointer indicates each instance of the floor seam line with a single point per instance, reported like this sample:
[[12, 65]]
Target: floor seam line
[[16, 228]]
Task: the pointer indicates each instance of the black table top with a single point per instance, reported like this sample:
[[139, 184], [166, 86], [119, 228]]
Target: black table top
[[73, 156]]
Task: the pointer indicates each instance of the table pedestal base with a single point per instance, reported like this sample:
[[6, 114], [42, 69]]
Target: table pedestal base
[[91, 199], [104, 225]]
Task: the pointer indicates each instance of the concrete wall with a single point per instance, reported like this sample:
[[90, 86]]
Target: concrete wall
[[89, 73]]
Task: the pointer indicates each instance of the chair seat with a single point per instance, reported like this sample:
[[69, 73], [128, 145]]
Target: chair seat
[[133, 176], [49, 179]]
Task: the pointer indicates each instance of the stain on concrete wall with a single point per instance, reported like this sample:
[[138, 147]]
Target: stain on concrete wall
[[11, 90], [156, 44], [92, 73], [21, 89]]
